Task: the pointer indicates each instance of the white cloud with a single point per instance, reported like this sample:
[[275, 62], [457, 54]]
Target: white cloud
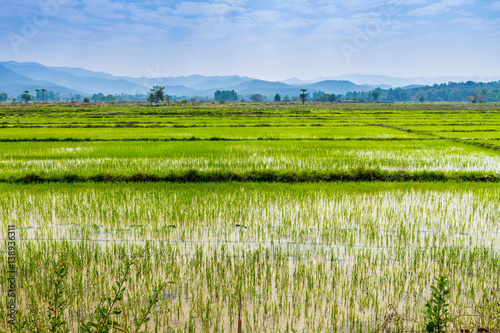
[[294, 23], [477, 23], [103, 8], [438, 8], [234, 2], [297, 6], [266, 16], [205, 9], [494, 5], [160, 16]]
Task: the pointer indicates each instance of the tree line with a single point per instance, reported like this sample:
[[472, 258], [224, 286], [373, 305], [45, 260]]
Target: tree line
[[475, 92]]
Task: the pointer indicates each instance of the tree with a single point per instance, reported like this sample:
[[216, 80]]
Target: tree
[[86, 100], [303, 96], [376, 93], [317, 95], [421, 99], [475, 97], [228, 95], [257, 98], [43, 94], [37, 95], [151, 98], [277, 98], [157, 93], [328, 98], [97, 97], [26, 96], [168, 99], [3, 97], [484, 91]]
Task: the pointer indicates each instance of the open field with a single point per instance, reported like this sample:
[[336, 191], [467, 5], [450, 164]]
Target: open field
[[290, 250]]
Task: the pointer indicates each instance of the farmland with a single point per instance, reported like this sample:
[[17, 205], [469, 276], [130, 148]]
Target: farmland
[[268, 218]]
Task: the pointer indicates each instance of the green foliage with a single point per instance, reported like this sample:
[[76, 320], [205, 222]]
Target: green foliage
[[257, 98], [228, 95], [303, 95], [26, 96], [144, 318], [436, 308], [376, 93], [328, 98], [157, 94], [151, 98], [3, 97], [447, 92], [102, 320], [58, 303]]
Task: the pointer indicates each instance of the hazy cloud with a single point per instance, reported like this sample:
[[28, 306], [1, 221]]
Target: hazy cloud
[[494, 5], [104, 8], [205, 9], [439, 7], [265, 39]]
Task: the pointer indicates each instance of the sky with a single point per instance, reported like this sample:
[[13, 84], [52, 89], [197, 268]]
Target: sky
[[264, 39]]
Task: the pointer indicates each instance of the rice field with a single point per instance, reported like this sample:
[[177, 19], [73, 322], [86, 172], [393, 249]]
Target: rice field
[[231, 256], [160, 158], [204, 133]]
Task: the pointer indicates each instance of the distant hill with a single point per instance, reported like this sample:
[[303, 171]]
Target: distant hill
[[77, 80], [14, 83], [87, 84], [265, 88], [16, 77], [336, 87], [387, 82], [8, 76]]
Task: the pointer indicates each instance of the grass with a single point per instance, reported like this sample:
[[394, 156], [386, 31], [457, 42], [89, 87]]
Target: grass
[[240, 133], [290, 234], [310, 256], [245, 159]]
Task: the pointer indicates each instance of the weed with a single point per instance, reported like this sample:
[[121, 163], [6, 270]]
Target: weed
[[437, 307]]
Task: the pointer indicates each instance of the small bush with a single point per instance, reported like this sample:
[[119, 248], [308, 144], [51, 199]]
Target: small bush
[[437, 308]]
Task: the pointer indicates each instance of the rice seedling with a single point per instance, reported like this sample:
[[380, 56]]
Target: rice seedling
[[208, 236]]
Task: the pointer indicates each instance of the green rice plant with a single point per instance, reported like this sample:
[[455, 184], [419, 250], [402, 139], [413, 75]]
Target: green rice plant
[[249, 218]]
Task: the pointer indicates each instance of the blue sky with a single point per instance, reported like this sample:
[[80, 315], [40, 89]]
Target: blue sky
[[272, 40]]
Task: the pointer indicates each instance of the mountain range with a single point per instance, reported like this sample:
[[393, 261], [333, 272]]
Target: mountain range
[[15, 77]]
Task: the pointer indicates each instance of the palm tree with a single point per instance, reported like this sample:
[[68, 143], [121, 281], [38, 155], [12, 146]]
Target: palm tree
[[43, 94], [303, 96], [37, 94]]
